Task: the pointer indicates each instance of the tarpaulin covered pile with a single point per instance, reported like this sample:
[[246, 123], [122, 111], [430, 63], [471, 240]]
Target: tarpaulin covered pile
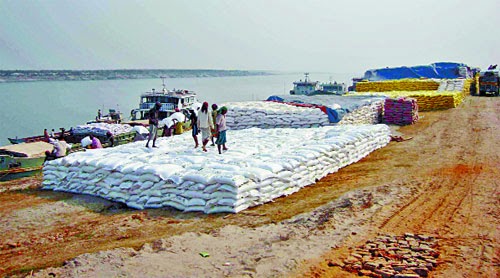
[[100, 129], [400, 111], [336, 107], [441, 70]]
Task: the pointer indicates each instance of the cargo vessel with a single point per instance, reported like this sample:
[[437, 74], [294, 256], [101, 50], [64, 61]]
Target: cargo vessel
[[309, 88], [170, 101]]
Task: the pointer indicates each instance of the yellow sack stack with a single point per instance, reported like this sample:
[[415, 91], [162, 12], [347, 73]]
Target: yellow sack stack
[[426, 100], [431, 94], [398, 85]]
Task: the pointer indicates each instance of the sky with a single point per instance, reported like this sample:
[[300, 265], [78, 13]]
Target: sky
[[272, 35]]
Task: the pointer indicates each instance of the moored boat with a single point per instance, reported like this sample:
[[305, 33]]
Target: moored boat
[[36, 138], [305, 87], [113, 117], [22, 159], [310, 88], [332, 88], [170, 101]]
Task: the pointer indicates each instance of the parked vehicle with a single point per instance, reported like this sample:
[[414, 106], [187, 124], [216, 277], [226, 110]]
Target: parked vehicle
[[489, 82]]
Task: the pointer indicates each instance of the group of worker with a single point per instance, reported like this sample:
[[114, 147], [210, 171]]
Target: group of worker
[[61, 147], [210, 125]]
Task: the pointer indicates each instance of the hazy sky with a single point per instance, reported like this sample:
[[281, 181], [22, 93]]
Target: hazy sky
[[284, 35]]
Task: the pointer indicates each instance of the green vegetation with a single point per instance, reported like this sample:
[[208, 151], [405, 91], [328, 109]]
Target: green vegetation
[[68, 75]]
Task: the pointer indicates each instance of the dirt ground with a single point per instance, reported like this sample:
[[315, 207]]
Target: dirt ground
[[443, 183]]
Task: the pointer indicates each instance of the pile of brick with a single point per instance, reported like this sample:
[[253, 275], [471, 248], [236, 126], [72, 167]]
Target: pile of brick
[[398, 85], [408, 256], [400, 111]]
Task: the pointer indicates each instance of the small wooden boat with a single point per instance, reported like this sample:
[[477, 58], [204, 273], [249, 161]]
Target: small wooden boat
[[113, 117], [37, 138], [22, 159]]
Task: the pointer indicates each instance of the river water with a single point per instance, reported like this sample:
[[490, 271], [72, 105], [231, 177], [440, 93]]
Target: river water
[[29, 107]]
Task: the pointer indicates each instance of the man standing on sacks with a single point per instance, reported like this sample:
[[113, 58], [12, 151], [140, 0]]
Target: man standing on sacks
[[221, 129], [206, 124], [153, 124]]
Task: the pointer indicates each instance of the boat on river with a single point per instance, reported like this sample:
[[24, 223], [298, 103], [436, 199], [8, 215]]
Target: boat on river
[[22, 159], [305, 87], [332, 88], [75, 135], [310, 88], [170, 101], [37, 138], [114, 116]]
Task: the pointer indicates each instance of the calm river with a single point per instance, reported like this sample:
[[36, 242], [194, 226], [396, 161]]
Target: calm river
[[29, 107]]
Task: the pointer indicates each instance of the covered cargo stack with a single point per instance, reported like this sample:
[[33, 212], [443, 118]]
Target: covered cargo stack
[[440, 70]]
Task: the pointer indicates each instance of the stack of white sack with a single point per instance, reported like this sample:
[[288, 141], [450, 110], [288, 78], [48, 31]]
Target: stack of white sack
[[268, 114], [100, 129], [451, 85], [261, 165], [172, 119], [367, 114]]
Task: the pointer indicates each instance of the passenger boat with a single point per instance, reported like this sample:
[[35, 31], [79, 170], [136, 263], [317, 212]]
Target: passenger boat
[[169, 99], [310, 88], [22, 159]]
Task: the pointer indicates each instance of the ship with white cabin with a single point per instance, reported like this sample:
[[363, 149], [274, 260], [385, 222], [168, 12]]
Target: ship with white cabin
[[309, 88], [170, 100]]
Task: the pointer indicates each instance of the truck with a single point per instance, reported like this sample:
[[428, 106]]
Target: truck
[[489, 82]]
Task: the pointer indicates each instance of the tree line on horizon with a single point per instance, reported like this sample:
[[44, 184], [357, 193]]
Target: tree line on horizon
[[56, 75]]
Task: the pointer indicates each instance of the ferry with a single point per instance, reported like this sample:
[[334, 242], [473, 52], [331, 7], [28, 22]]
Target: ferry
[[332, 88], [305, 87], [169, 99], [310, 88]]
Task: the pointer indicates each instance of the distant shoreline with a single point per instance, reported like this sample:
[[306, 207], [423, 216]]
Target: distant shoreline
[[121, 74]]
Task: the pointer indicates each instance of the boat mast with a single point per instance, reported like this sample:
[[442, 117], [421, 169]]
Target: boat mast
[[163, 83]]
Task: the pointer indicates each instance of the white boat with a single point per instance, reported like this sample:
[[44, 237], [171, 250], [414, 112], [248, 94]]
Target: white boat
[[310, 88], [305, 87], [169, 99], [332, 88]]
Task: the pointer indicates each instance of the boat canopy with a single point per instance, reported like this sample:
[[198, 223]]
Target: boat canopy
[[34, 149]]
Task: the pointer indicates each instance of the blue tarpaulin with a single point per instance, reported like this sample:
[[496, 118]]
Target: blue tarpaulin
[[427, 71], [441, 70], [333, 105]]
